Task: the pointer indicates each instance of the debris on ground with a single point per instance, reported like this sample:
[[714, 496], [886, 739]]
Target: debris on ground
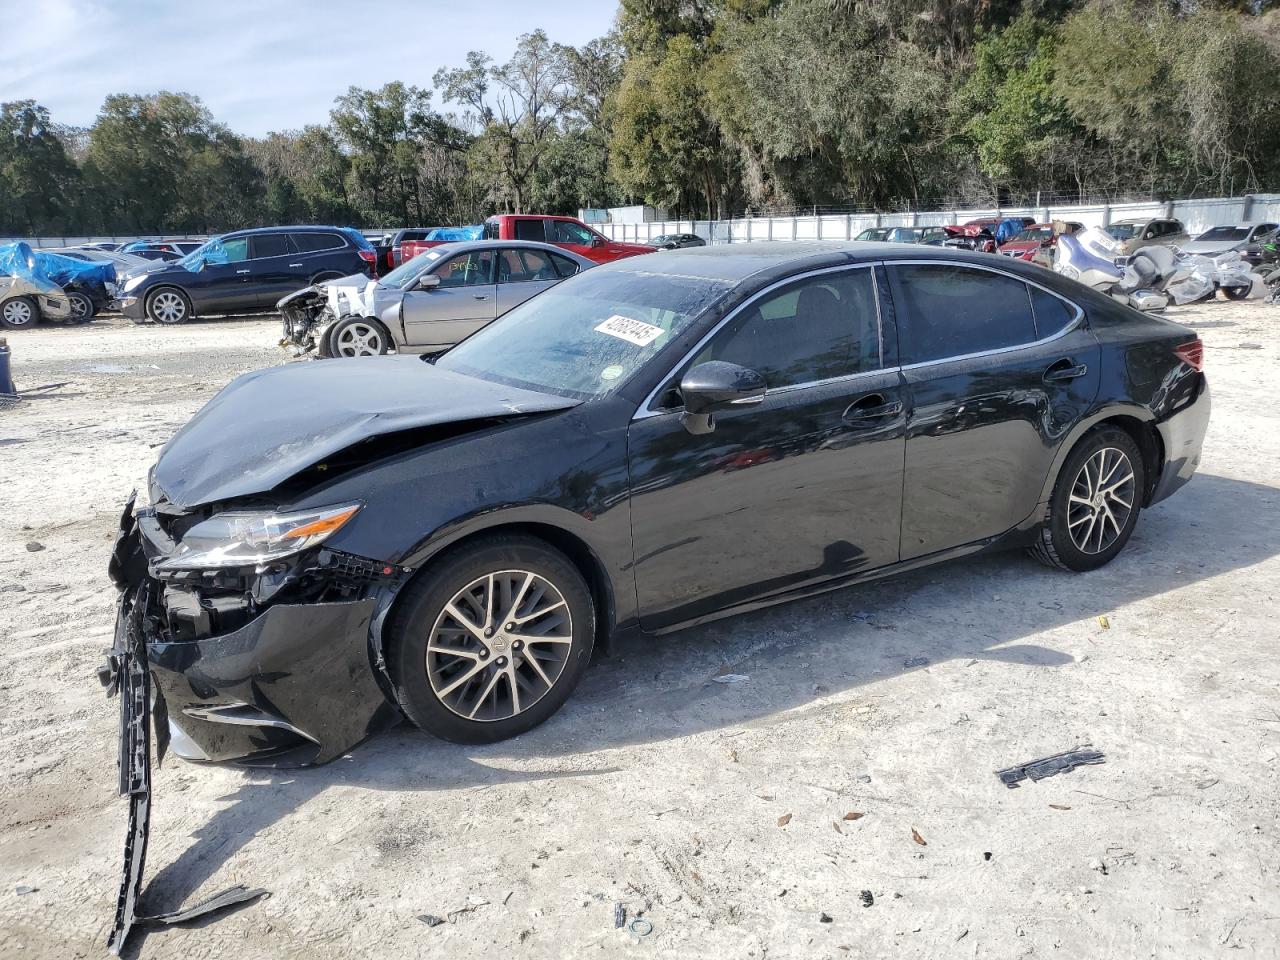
[[853, 815], [619, 916], [1058, 806], [868, 898], [430, 919], [1099, 866], [34, 546], [640, 927], [23, 889], [784, 819], [1104, 623], [731, 678], [825, 918], [1049, 766], [916, 662], [915, 835]]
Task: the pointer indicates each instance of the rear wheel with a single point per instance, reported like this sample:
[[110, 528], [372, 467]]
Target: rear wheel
[[168, 305], [358, 337], [1237, 293], [1095, 503], [19, 313], [492, 640]]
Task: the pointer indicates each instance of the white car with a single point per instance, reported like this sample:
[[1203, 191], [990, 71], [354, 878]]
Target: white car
[[1234, 236], [26, 294]]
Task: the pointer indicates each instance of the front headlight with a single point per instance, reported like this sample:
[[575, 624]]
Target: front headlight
[[246, 538], [133, 283]]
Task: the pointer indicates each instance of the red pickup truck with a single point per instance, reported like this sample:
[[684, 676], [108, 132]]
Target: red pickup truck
[[562, 231]]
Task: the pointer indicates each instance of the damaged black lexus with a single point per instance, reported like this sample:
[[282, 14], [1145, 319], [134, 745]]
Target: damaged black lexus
[[334, 545]]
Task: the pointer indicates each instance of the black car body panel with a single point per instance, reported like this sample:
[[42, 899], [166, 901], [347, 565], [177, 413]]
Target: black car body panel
[[279, 261], [347, 404], [836, 481]]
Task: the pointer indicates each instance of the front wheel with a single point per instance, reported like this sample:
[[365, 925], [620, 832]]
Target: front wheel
[[19, 313], [1237, 293], [168, 305], [82, 309], [1095, 503], [492, 640], [359, 337]]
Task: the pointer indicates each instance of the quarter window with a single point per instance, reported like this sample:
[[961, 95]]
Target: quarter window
[[564, 266], [951, 311], [467, 270], [815, 329], [311, 242]]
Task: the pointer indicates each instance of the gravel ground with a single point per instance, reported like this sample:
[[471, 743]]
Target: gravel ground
[[725, 813]]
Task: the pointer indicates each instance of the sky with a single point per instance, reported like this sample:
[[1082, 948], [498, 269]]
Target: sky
[[265, 65]]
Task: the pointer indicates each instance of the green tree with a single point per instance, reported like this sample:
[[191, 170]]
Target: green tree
[[39, 183]]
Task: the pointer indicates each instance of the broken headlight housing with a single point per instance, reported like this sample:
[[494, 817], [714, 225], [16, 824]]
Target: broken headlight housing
[[243, 538]]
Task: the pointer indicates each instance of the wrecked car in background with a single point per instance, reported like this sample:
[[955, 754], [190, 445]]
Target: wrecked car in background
[[1237, 236], [1133, 235], [27, 294], [433, 301]]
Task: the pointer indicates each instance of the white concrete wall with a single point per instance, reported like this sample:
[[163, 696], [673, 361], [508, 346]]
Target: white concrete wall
[[1198, 215]]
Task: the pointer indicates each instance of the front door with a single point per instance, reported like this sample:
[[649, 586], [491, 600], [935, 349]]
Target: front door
[[227, 283], [997, 372], [804, 487], [274, 272], [465, 301]]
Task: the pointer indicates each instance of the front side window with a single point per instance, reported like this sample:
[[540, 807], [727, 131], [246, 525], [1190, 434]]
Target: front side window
[[815, 329], [565, 231], [235, 249], [952, 311], [467, 270]]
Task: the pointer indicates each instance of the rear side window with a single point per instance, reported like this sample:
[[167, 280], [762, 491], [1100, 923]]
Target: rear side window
[[269, 245], [311, 242], [530, 230], [1052, 313], [812, 330], [952, 311], [564, 266]]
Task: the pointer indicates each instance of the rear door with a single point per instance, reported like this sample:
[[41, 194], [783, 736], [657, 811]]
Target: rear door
[[801, 488], [997, 371], [465, 301], [316, 252], [522, 273], [271, 276]]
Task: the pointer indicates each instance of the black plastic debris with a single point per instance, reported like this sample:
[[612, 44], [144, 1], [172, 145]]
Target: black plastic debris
[[867, 898], [1049, 766], [915, 662], [619, 916], [431, 920], [825, 918]]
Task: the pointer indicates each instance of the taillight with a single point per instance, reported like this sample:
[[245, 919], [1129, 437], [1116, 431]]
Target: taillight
[[370, 257], [1191, 353]]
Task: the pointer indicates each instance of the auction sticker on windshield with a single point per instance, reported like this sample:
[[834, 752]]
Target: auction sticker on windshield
[[633, 331]]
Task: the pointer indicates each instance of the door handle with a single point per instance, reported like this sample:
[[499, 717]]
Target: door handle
[[482, 296], [242, 271], [295, 264], [871, 407], [1065, 369]]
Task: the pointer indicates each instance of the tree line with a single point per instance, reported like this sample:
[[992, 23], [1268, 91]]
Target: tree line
[[708, 108]]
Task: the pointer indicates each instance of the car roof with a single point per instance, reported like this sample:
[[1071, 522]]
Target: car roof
[[301, 228], [464, 246]]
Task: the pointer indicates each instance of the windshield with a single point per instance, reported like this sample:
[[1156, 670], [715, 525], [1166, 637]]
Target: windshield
[[1124, 231], [1225, 233], [410, 269], [586, 337]]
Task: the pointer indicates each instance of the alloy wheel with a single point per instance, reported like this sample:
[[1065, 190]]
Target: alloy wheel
[[80, 307], [168, 307], [1101, 500], [500, 645], [359, 340], [18, 313]]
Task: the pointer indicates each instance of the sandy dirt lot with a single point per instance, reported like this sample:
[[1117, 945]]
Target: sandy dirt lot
[[717, 811]]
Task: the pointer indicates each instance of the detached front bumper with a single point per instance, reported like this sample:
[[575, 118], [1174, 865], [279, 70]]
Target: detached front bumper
[[292, 684]]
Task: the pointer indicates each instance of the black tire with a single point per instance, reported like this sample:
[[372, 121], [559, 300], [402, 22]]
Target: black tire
[[362, 334], [1237, 293], [82, 309], [422, 607], [1055, 545], [161, 307], [19, 313]]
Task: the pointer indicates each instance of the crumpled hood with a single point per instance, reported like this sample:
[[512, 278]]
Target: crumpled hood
[[266, 426], [1209, 247]]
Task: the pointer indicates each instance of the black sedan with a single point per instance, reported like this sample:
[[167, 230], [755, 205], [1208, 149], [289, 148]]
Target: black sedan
[[676, 241], [330, 546]]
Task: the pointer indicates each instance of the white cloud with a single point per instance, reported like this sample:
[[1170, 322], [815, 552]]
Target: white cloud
[[259, 66]]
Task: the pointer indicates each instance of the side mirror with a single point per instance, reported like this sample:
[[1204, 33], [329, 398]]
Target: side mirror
[[428, 282], [717, 385], [597, 241]]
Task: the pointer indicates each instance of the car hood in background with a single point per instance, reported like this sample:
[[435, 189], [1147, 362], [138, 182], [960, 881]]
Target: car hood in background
[[1204, 247], [269, 425]]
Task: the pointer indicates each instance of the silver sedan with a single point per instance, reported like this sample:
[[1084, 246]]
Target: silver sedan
[[433, 301]]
